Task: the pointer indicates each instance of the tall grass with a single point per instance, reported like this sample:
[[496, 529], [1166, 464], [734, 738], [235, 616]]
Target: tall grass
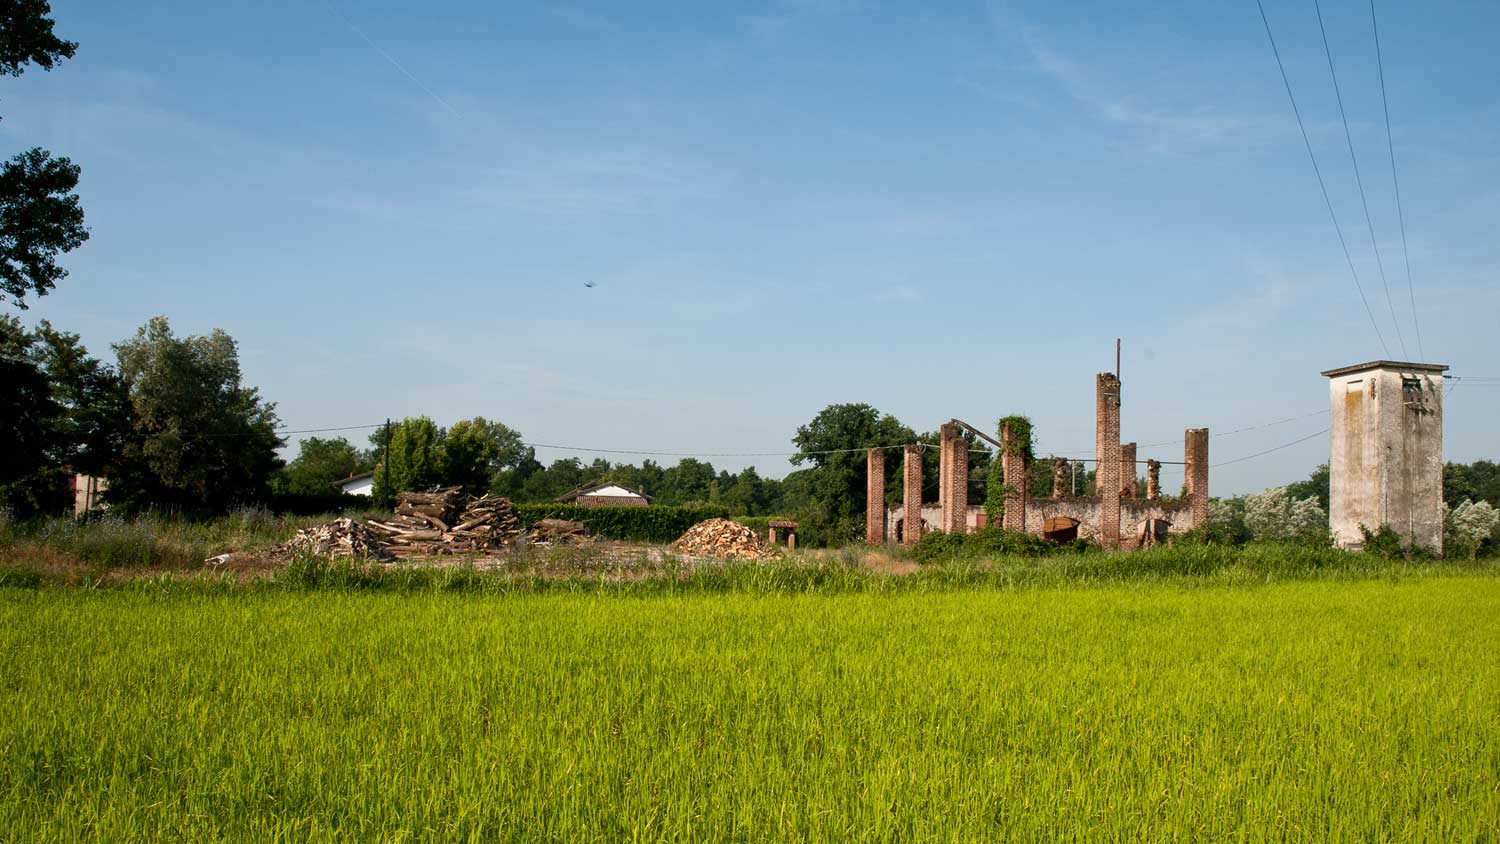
[[1315, 711], [150, 539]]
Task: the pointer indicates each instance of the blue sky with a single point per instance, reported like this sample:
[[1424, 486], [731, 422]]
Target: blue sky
[[394, 209]]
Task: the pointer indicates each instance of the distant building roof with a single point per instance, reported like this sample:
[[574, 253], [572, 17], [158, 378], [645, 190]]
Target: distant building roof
[[1385, 364], [352, 479], [603, 489]]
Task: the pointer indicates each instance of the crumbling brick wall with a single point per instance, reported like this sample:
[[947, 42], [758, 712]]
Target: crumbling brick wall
[[1127, 472], [1107, 453], [875, 496], [911, 490], [1013, 466], [1195, 455]]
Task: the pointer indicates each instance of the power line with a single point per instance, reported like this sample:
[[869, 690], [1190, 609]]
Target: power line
[[1391, 146], [1319, 173], [1374, 244], [1269, 450], [719, 453]]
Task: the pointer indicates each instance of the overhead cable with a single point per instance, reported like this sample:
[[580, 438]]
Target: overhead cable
[[1374, 244], [1395, 183], [1321, 186]]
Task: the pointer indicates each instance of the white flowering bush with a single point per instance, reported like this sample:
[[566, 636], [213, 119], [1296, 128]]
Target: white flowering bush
[[1467, 526], [1274, 516]]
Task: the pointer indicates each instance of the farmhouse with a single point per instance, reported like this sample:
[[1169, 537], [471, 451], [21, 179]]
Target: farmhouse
[[361, 484], [605, 494]]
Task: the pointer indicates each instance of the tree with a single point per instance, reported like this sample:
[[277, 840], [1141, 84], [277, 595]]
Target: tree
[[1469, 526], [26, 37], [40, 216], [322, 462], [691, 481], [199, 439], [476, 451], [31, 422], [835, 442], [415, 461], [1316, 486], [1477, 481], [747, 493], [65, 412]]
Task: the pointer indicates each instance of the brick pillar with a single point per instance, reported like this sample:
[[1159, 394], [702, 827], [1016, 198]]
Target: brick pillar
[[875, 496], [958, 485], [1013, 466], [1060, 477], [1195, 455], [1153, 480], [911, 494], [1127, 471], [947, 445], [1107, 453]]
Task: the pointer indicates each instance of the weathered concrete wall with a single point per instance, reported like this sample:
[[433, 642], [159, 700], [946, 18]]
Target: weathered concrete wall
[[1385, 452]]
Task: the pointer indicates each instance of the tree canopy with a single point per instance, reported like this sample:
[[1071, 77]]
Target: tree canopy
[[200, 439], [40, 215]]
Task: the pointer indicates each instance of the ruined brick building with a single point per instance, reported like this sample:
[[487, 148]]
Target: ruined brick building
[[1114, 516]]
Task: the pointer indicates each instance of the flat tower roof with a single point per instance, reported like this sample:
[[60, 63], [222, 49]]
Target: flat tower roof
[[1385, 364]]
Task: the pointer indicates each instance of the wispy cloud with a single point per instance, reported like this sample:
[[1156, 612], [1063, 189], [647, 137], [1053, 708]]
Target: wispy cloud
[[1167, 130]]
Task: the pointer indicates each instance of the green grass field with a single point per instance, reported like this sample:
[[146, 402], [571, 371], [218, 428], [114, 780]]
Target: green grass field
[[1319, 711]]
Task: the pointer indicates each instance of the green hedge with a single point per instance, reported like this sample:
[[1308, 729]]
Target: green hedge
[[635, 524]]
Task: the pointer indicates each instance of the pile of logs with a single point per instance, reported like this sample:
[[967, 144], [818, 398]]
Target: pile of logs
[[548, 531], [338, 538], [438, 522], [722, 539]]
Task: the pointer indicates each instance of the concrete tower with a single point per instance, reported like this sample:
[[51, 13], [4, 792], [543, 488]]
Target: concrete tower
[[1385, 456]]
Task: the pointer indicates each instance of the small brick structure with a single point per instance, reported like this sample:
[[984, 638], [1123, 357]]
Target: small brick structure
[[790, 529], [1114, 516]]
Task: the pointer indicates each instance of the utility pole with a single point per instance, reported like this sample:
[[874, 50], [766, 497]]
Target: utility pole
[[385, 463]]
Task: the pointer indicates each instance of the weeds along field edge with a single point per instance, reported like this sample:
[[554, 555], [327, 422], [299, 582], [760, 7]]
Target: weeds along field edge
[[1327, 711], [1183, 566]]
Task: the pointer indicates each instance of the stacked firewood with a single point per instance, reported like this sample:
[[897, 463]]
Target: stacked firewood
[[549, 531], [438, 522], [338, 538], [722, 539]]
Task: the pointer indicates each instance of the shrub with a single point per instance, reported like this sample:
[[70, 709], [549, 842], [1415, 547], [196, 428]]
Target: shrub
[[989, 542], [635, 524], [1385, 542]]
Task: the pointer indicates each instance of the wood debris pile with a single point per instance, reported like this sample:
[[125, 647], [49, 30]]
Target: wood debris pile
[[549, 531], [338, 538], [438, 522], [723, 539]]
